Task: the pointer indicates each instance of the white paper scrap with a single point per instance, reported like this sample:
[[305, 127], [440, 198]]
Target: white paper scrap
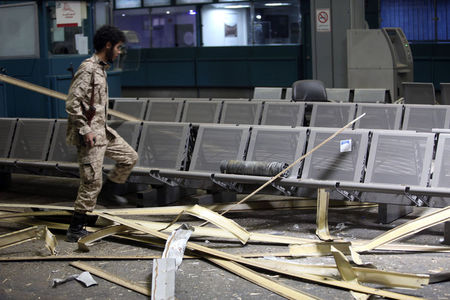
[[345, 145], [85, 278]]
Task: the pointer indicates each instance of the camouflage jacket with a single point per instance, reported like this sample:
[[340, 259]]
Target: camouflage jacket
[[80, 95]]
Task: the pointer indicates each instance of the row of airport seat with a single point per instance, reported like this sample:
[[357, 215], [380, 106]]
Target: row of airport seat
[[398, 163], [323, 114], [361, 95]]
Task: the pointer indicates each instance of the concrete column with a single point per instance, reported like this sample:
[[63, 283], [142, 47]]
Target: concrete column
[[330, 20]]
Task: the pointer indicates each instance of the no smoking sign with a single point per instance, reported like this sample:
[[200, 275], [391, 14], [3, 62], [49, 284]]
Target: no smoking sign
[[323, 23]]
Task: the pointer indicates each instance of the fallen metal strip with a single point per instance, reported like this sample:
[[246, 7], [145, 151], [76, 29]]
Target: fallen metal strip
[[323, 198], [407, 228], [220, 221], [366, 275], [86, 241], [29, 234], [347, 273], [235, 258], [260, 280], [318, 249], [112, 278]]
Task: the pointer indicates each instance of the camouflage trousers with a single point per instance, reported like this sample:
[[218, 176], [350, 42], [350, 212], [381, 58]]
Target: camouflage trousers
[[91, 164]]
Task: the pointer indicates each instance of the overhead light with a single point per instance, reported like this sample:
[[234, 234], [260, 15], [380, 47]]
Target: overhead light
[[123, 15], [258, 17], [237, 6], [168, 12], [192, 12], [277, 4]]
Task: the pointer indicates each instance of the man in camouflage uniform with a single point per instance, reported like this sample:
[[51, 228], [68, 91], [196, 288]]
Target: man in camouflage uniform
[[88, 131]]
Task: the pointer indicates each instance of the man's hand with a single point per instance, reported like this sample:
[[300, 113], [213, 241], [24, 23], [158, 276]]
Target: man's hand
[[89, 139]]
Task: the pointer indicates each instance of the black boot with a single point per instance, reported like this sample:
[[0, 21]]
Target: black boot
[[76, 229], [110, 194]]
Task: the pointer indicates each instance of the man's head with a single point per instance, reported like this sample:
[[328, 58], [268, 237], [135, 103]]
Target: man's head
[[108, 40]]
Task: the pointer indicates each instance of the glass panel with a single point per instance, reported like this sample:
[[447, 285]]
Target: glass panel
[[246, 23], [226, 24], [127, 4], [19, 30], [102, 14], [415, 17], [276, 22], [193, 1], [135, 22], [173, 27], [156, 2]]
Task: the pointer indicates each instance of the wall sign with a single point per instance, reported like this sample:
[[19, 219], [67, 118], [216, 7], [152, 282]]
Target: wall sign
[[68, 13], [323, 23]]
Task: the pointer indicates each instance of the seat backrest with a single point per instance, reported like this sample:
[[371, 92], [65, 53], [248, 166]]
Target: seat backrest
[[32, 139], [7, 126], [400, 157], [341, 159], [60, 151], [201, 111], [191, 99], [331, 114], [283, 113], [277, 144], [267, 93], [129, 131], [309, 90], [241, 112], [445, 94], [164, 145], [217, 143], [441, 175], [369, 96], [379, 116], [426, 117], [288, 95], [338, 95], [164, 110], [135, 108], [418, 92]]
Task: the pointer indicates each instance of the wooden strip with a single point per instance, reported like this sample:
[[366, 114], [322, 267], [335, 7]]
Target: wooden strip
[[36, 214], [220, 221], [293, 164], [407, 228], [323, 198], [235, 258], [114, 279], [48, 92], [260, 280]]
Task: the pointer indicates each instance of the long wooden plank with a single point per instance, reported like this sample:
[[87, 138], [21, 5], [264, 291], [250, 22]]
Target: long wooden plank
[[48, 92], [112, 278], [238, 259]]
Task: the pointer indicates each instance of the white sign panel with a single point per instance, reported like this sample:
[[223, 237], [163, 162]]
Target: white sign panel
[[323, 22], [68, 13]]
